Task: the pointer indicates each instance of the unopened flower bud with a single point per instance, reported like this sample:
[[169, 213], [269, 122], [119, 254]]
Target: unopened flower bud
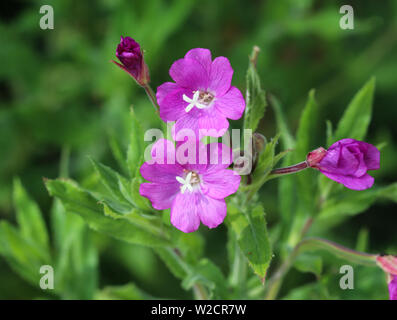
[[314, 157], [258, 143], [131, 57]]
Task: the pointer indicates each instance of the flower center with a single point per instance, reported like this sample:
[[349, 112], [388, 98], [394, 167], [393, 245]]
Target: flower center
[[200, 100], [191, 179]]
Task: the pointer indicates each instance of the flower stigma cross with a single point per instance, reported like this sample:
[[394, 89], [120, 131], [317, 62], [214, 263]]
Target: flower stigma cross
[[193, 102]]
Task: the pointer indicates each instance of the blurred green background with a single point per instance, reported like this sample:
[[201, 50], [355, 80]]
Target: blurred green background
[[59, 90]]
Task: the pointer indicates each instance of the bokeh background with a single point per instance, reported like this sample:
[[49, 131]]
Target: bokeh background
[[59, 90]]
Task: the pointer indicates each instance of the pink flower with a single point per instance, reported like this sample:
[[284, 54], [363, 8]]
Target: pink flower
[[194, 189], [347, 162], [202, 96], [130, 55]]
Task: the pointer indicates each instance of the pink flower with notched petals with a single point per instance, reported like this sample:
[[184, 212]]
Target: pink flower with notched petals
[[202, 96], [194, 189], [347, 162]]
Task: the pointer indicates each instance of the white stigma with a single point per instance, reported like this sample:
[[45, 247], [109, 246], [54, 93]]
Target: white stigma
[[194, 102], [185, 182]]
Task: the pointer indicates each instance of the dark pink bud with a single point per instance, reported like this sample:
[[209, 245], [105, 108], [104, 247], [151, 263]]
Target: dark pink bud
[[131, 57], [313, 158]]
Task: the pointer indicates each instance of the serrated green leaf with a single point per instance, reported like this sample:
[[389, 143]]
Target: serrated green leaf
[[29, 217], [255, 98], [356, 118], [112, 180], [122, 227], [252, 237]]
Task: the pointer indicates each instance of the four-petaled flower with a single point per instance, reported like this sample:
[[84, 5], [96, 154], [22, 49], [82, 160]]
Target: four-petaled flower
[[202, 98], [194, 190], [347, 162]]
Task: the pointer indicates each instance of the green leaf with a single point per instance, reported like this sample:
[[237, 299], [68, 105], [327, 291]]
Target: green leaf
[[23, 255], [307, 128], [118, 152], [124, 292], [309, 263], [255, 96], [29, 217], [76, 275], [252, 237], [135, 148], [265, 164], [131, 227], [356, 118], [304, 144], [311, 291], [112, 180], [286, 138], [209, 275]]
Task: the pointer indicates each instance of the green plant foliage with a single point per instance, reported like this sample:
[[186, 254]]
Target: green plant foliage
[[63, 101]]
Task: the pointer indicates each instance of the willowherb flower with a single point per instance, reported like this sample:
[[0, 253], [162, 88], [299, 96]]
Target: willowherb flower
[[202, 97], [347, 162], [388, 264], [131, 57], [195, 188]]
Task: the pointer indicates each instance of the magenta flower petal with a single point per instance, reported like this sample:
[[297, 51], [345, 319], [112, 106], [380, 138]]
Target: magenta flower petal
[[163, 152], [213, 124], [231, 104], [172, 109], [187, 124], [393, 288], [219, 184], [202, 97], [160, 195], [354, 183], [220, 76], [194, 185], [187, 73], [212, 212], [202, 56], [184, 212], [220, 156], [165, 89], [161, 173], [371, 157]]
